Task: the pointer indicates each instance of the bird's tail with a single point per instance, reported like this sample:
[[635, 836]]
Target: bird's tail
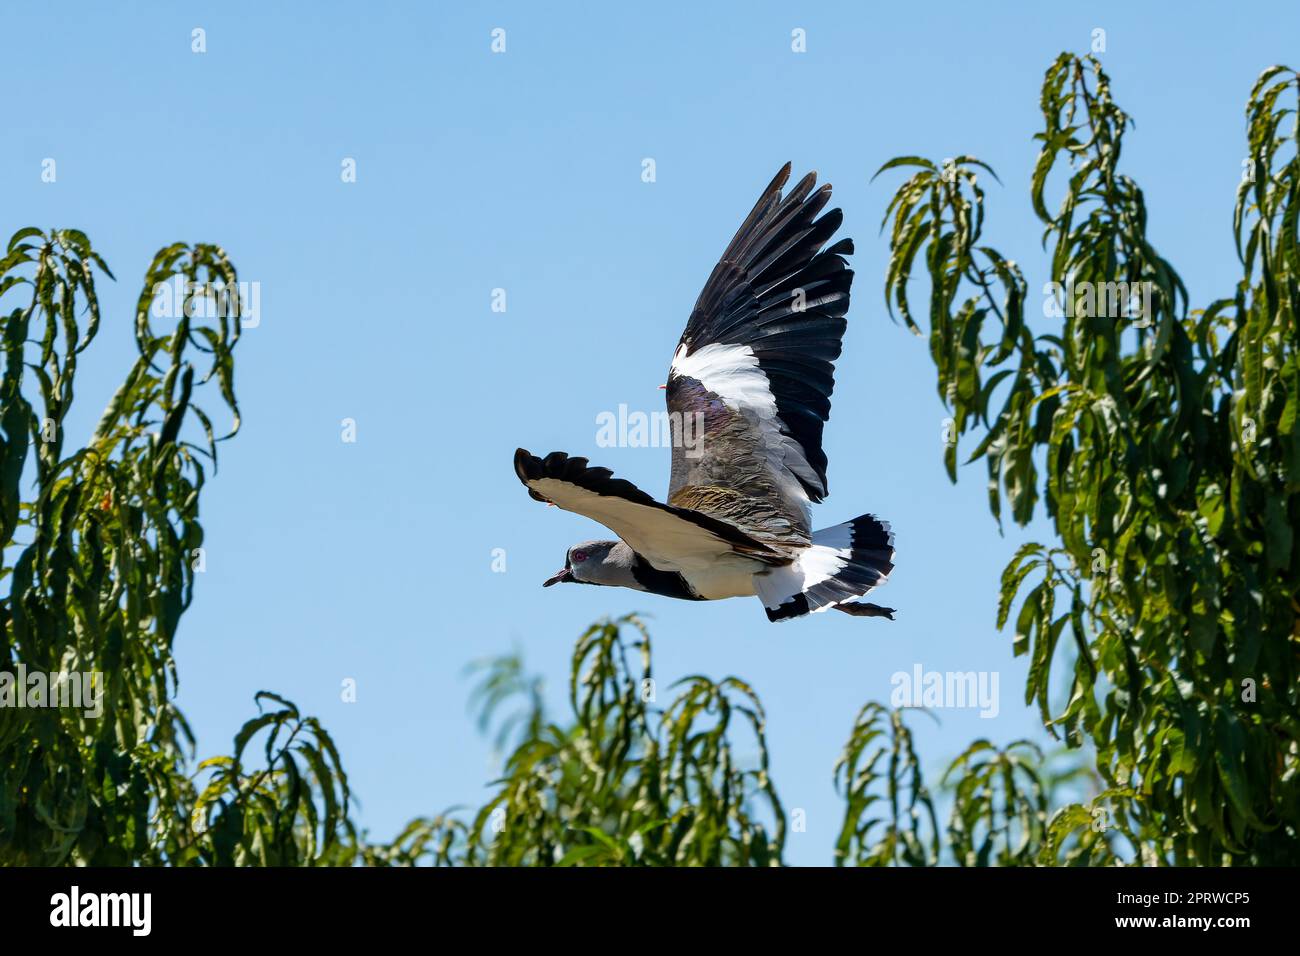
[[842, 563]]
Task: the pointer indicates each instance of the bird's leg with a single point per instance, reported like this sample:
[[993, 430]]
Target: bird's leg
[[863, 609]]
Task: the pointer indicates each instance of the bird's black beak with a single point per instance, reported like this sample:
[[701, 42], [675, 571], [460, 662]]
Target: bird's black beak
[[561, 575]]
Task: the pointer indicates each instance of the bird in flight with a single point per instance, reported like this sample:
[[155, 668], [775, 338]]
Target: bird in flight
[[755, 367]]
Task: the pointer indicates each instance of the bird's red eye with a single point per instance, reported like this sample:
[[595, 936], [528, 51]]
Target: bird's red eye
[[580, 556]]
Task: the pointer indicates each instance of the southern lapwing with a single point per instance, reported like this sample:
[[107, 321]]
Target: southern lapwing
[[755, 368]]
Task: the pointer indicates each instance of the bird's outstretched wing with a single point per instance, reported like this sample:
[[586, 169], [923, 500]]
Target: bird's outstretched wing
[[670, 538], [755, 366]]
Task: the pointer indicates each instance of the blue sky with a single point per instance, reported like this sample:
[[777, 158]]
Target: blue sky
[[522, 171]]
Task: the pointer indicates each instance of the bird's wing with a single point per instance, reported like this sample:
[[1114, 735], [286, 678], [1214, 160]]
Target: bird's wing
[[755, 368], [670, 538]]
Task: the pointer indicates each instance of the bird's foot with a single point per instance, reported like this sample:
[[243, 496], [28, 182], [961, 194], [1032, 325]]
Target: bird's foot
[[863, 609]]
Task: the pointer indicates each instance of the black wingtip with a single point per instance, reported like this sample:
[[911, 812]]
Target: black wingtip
[[774, 188], [526, 466]]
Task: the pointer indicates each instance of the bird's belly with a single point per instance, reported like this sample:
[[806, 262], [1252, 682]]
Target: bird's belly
[[723, 580]]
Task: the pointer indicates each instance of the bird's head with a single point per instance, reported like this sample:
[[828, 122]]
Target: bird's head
[[583, 564]]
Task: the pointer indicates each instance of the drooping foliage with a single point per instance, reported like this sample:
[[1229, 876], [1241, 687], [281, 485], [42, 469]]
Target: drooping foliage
[[1162, 442], [101, 546], [627, 783], [624, 783]]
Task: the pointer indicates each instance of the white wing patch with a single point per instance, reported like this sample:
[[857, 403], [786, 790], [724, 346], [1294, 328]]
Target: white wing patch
[[732, 372]]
